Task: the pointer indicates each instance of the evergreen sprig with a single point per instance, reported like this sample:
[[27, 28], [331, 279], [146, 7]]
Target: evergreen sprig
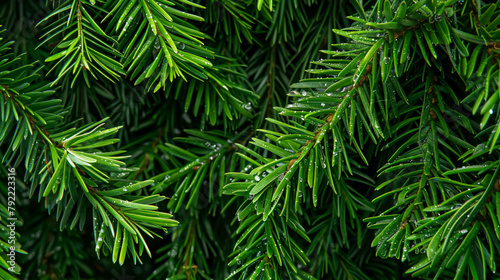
[[284, 150], [70, 167]]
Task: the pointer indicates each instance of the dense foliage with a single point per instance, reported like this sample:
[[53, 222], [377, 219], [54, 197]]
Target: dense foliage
[[285, 139]]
